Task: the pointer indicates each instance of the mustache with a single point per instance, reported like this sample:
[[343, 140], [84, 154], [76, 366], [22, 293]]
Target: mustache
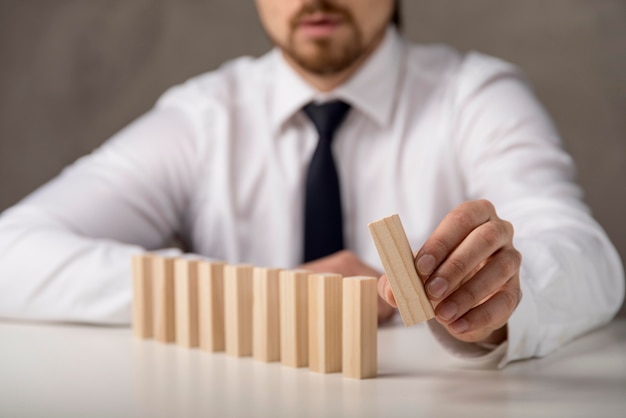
[[320, 7]]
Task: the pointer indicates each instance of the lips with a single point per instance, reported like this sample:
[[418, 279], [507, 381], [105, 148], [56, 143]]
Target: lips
[[319, 25]]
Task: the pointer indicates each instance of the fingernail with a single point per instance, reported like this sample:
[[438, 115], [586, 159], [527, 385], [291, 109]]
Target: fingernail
[[437, 287], [447, 311], [459, 326], [425, 265]]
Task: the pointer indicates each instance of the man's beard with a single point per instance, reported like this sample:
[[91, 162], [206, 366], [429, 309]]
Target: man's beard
[[328, 56]]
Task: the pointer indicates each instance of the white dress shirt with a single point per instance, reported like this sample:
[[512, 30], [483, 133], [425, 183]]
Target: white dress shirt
[[221, 159]]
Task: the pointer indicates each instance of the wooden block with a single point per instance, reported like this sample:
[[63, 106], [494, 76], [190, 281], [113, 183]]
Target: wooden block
[[142, 296], [238, 310], [360, 325], [397, 258], [211, 305], [164, 304], [294, 334], [266, 311], [186, 293], [325, 322]]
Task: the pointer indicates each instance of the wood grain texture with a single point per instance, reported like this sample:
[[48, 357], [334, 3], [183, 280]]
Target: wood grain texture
[[266, 314], [143, 297], [397, 258], [360, 326], [238, 310], [164, 301], [186, 293], [211, 305], [294, 334], [325, 322]]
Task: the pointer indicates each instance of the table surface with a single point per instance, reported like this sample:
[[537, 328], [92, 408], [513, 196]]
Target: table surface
[[90, 371]]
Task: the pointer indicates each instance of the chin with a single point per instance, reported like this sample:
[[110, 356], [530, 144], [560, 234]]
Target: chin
[[324, 61]]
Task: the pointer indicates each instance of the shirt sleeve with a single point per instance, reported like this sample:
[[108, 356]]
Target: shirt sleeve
[[65, 250], [509, 152]]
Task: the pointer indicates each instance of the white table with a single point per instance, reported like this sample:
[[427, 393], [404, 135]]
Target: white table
[[87, 371]]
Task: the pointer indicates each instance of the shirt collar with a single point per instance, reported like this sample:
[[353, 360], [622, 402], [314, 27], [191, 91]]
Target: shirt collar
[[372, 89]]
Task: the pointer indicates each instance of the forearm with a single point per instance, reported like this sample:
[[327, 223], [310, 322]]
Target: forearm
[[65, 250], [49, 273], [572, 281]]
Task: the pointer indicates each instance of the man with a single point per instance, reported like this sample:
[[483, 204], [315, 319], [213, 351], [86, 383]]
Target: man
[[225, 161]]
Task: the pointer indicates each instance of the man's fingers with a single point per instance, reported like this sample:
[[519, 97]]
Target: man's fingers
[[467, 257], [470, 270], [483, 319], [501, 268], [452, 230]]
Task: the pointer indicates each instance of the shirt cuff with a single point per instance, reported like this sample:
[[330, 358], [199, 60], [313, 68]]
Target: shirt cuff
[[522, 328]]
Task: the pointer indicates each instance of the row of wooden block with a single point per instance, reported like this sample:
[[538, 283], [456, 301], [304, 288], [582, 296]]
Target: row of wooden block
[[323, 321]]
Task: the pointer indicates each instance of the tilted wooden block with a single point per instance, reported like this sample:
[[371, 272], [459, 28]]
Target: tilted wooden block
[[238, 310], [325, 322], [186, 291], [211, 305], [360, 325], [397, 258], [164, 303], [293, 318], [266, 311], [143, 296]]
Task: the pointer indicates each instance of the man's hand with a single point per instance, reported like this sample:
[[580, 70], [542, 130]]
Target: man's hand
[[471, 273], [348, 264]]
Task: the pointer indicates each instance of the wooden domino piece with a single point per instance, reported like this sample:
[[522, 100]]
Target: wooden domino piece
[[293, 286], [397, 258], [164, 302], [238, 310], [266, 311], [142, 296], [186, 294], [211, 305], [360, 325], [325, 322]]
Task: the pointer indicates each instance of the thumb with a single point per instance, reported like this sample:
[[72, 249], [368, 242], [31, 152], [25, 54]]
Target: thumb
[[385, 292]]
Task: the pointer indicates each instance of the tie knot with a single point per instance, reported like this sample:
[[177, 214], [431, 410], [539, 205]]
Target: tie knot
[[327, 116]]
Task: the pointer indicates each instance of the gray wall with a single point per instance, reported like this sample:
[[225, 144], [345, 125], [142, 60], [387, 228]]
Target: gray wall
[[73, 72]]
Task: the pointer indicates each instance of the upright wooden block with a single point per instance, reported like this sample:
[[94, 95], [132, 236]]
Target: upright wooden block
[[397, 258], [143, 326], [238, 310], [360, 305], [294, 334], [186, 293], [211, 305], [266, 311], [164, 302], [325, 322]]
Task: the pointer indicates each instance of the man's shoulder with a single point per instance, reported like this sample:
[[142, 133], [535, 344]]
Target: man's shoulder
[[479, 71], [220, 86], [444, 66], [444, 61]]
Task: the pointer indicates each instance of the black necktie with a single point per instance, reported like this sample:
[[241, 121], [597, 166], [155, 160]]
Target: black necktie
[[323, 224]]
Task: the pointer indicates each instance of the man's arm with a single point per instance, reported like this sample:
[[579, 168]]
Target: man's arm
[[522, 198], [65, 250]]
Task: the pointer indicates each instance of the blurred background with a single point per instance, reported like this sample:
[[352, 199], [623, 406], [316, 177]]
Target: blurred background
[[73, 72]]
